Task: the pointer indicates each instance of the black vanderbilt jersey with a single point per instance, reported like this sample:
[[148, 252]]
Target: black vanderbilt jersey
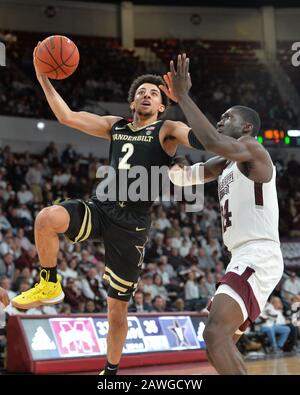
[[137, 163]]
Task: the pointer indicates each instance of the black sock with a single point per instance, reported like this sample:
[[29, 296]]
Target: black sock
[[52, 273], [110, 369]]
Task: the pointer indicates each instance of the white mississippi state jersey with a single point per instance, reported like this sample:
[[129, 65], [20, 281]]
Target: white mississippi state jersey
[[249, 209]]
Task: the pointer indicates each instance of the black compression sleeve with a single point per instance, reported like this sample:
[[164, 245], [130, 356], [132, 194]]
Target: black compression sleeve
[[194, 142]]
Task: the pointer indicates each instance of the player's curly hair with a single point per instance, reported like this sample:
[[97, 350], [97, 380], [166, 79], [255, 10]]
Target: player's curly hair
[[150, 79]]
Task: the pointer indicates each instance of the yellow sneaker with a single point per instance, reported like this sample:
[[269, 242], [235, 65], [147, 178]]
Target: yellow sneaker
[[43, 293]]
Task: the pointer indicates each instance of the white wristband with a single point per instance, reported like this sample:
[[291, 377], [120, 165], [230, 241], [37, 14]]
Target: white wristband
[[188, 175]]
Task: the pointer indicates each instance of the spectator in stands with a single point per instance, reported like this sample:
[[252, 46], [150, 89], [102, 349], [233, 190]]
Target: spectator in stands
[[61, 178], [147, 282], [147, 301], [175, 259], [213, 245], [152, 268], [156, 249], [185, 248], [24, 195], [85, 263], [28, 259], [179, 305], [138, 305], [25, 215], [65, 309], [93, 289], [281, 319], [162, 270], [291, 288], [5, 283], [7, 266], [64, 270], [162, 222], [203, 289], [175, 229], [73, 295], [210, 285], [24, 276], [191, 291], [90, 307], [7, 245], [4, 223], [271, 329], [158, 304], [205, 261], [158, 287], [24, 286], [192, 256], [73, 264], [51, 153], [34, 178], [17, 247], [69, 155], [295, 214], [293, 166], [163, 260], [14, 218]]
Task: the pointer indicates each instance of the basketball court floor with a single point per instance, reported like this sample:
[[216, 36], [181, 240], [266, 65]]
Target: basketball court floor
[[285, 365]]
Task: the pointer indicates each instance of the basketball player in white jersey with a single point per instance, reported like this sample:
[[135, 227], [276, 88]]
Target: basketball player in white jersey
[[248, 200]]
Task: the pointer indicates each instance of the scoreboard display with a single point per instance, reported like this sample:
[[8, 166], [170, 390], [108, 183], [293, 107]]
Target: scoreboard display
[[279, 137]]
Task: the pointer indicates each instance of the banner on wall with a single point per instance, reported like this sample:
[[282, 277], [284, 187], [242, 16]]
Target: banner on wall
[[72, 337]]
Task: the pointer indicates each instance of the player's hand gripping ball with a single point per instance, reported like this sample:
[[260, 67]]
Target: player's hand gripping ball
[[57, 57]]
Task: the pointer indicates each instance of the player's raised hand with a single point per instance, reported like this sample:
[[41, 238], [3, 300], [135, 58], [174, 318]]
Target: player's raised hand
[[168, 88], [180, 78], [38, 74], [4, 297]]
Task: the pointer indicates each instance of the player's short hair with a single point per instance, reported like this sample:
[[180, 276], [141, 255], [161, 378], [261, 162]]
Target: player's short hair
[[150, 79], [250, 116]]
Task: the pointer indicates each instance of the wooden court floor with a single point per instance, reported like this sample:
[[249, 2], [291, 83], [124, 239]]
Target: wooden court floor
[[289, 365]]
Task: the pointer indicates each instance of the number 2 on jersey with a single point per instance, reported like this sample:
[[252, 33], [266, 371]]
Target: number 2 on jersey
[[128, 148], [226, 214]]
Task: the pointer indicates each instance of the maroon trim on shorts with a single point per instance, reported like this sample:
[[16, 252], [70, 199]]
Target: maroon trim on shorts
[[258, 193], [241, 286]]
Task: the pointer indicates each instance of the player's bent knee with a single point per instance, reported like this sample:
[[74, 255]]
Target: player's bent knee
[[53, 218], [214, 333], [209, 335]]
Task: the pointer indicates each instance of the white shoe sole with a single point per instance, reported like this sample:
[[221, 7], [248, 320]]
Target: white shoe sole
[[56, 300], [38, 303]]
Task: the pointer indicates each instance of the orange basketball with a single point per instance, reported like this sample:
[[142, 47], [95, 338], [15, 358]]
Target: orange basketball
[[57, 57]]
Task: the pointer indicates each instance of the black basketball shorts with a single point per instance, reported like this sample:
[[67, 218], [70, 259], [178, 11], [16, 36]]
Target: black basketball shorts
[[124, 233]]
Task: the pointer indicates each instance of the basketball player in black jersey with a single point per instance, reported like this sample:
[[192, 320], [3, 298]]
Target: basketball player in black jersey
[[123, 226]]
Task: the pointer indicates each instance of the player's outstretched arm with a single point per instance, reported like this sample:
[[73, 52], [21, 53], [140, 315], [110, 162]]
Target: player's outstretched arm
[[199, 173], [179, 84], [89, 123]]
